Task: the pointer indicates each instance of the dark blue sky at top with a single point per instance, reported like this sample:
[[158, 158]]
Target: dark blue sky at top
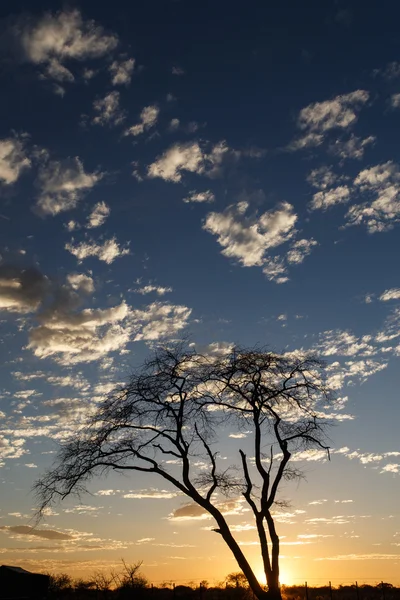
[[249, 69]]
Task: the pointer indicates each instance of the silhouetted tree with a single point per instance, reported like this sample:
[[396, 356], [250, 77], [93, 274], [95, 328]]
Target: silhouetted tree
[[170, 411]]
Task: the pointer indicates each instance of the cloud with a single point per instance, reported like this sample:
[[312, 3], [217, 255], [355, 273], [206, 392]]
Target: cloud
[[247, 239], [13, 159], [47, 534], [381, 182], [108, 110], [150, 494], [159, 320], [191, 157], [98, 215], [299, 250], [392, 294], [340, 112], [322, 178], [81, 283], [373, 557], [72, 337], [194, 196], [345, 343], [21, 290], [63, 184], [176, 70], [318, 118], [54, 38], [121, 71], [354, 147], [148, 119], [326, 199], [188, 512], [395, 100], [107, 251], [11, 448], [149, 289]]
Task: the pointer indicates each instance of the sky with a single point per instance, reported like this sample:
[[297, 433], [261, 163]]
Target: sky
[[222, 172]]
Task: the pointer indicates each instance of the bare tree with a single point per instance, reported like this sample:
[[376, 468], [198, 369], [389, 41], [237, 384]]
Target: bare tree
[[165, 420]]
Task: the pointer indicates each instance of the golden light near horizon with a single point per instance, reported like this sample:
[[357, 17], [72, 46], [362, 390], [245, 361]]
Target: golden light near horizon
[[284, 578]]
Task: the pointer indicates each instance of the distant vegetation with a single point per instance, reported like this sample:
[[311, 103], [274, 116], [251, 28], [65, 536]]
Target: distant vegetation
[[129, 583]]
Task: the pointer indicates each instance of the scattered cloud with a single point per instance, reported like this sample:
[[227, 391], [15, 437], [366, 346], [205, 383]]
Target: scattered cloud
[[299, 250], [63, 184], [81, 282], [98, 215], [148, 119], [72, 337], [150, 494], [318, 118], [47, 534], [395, 100], [381, 182], [194, 196], [159, 320], [108, 110], [107, 251], [157, 289], [354, 147], [54, 38], [326, 199], [192, 158], [392, 294], [322, 178], [121, 71], [248, 238], [13, 159]]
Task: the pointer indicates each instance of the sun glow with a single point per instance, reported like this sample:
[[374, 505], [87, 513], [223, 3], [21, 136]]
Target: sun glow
[[284, 577]]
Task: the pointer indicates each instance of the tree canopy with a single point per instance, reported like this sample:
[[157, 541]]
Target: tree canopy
[[167, 417]]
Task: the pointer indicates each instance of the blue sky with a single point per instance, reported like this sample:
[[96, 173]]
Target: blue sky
[[216, 172]]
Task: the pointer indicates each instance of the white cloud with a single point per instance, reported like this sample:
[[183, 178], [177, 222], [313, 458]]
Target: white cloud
[[194, 196], [159, 320], [248, 238], [381, 182], [121, 71], [149, 289], [98, 215], [148, 119], [55, 70], [73, 337], [318, 118], [299, 250], [108, 110], [345, 343], [340, 112], [393, 294], [13, 160], [354, 147], [62, 185], [325, 199], [107, 251], [322, 178], [150, 494], [57, 37], [178, 158], [275, 269], [309, 140], [191, 157], [80, 282]]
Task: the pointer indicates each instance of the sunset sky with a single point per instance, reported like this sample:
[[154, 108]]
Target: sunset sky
[[226, 172]]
